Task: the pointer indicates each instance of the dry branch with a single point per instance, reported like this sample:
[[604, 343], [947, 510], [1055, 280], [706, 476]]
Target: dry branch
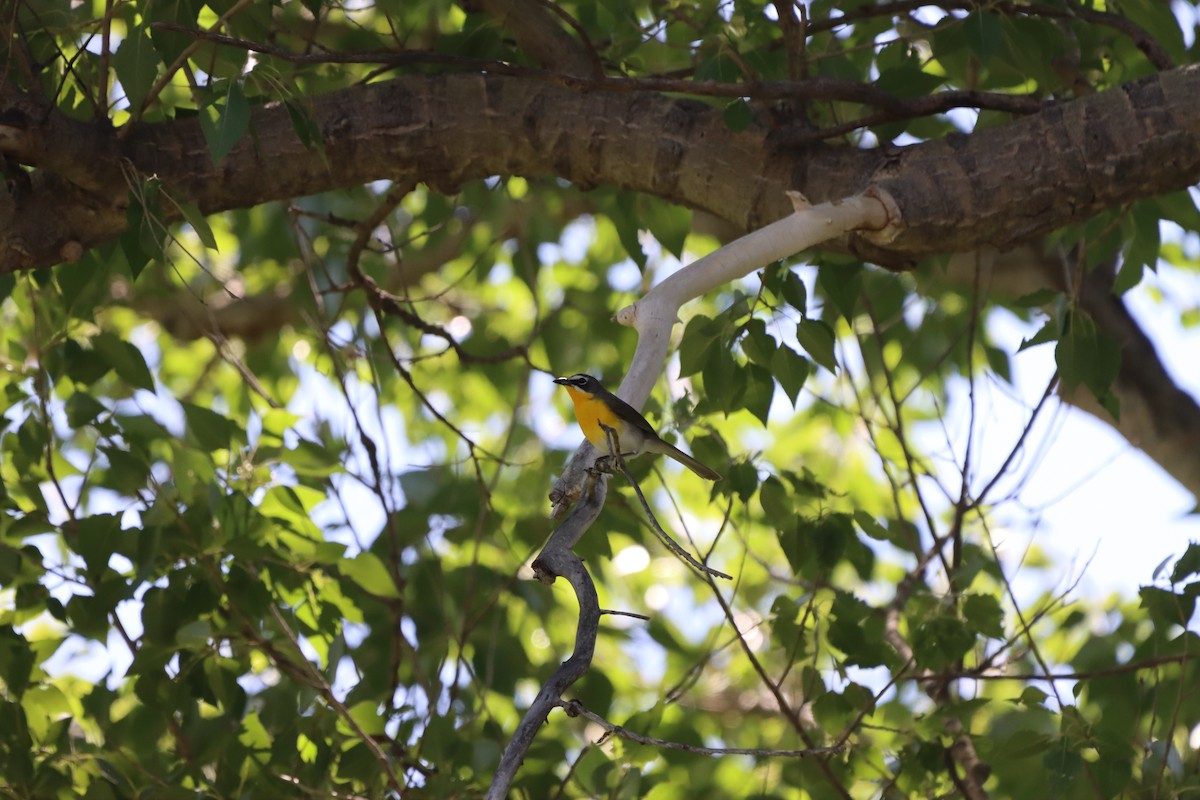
[[556, 560]]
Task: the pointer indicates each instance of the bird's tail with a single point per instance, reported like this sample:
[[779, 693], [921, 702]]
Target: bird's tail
[[668, 449]]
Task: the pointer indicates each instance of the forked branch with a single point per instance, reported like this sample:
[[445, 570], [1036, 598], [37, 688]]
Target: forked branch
[[653, 316]]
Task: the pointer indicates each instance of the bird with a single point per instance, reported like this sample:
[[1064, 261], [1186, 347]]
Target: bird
[[596, 407]]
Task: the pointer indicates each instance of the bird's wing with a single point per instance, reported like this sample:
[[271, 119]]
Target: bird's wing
[[631, 415]]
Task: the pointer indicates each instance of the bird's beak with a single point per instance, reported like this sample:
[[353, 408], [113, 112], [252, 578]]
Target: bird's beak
[[561, 381]]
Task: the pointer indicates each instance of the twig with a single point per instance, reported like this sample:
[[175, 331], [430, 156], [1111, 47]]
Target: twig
[[1106, 672], [614, 448], [105, 53], [135, 114], [613, 613], [1046, 395], [1150, 46], [819, 88], [575, 709], [791, 714]]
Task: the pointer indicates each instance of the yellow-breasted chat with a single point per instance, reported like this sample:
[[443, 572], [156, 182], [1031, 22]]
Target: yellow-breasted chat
[[597, 408]]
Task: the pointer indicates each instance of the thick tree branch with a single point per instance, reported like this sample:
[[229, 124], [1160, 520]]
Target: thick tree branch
[[998, 186], [1156, 415]]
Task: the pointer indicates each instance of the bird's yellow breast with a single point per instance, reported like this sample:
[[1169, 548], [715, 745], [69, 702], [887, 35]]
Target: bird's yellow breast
[[590, 411]]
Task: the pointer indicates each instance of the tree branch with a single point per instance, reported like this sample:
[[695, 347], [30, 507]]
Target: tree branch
[[655, 314], [1028, 177], [614, 449], [1157, 416], [537, 30], [557, 560], [575, 709]]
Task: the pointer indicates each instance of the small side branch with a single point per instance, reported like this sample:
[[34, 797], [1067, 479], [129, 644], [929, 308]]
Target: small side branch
[[575, 709], [614, 448]]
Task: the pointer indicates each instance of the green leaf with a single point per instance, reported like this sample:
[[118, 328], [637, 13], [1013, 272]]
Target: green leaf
[[85, 286], [791, 370], [999, 362], [368, 718], [1129, 275], [170, 44], [723, 390], [82, 408], [1159, 23], [939, 642], [1143, 244], [1086, 355], [96, 538], [984, 35], [760, 390], [984, 612], [870, 526], [126, 473], [843, 284], [81, 363], [817, 339], [758, 345], [738, 115], [191, 212], [16, 661], [829, 538], [1187, 565], [1168, 608], [619, 210], [1047, 333], [142, 240], [908, 81], [210, 430], [775, 500], [136, 63], [667, 222], [1066, 770], [795, 292], [125, 359], [311, 459], [306, 128], [278, 421], [857, 630], [369, 572], [1036, 299], [225, 124], [161, 616], [194, 635]]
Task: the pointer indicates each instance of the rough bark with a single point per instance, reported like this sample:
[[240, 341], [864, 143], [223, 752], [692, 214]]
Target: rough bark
[[997, 187]]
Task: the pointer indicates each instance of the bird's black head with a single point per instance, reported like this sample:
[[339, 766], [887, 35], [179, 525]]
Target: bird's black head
[[580, 381]]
